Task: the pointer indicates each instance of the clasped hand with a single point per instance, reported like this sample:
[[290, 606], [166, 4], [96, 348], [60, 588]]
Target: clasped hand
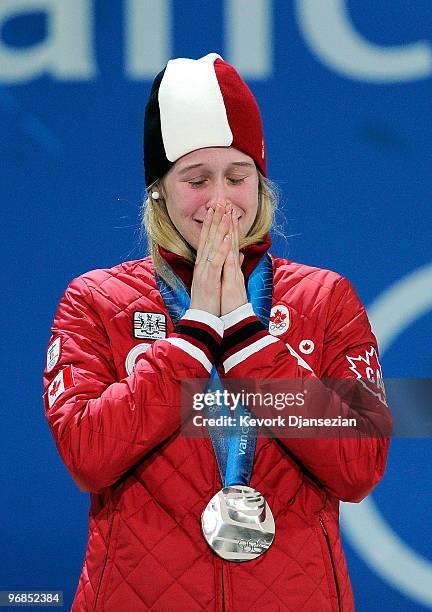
[[218, 284]]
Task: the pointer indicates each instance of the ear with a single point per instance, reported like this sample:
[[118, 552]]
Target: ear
[[161, 188]]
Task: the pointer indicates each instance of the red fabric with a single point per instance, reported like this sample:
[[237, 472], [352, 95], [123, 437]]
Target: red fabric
[[118, 436], [243, 114]]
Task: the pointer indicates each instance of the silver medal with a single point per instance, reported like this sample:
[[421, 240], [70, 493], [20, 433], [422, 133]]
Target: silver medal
[[238, 524]]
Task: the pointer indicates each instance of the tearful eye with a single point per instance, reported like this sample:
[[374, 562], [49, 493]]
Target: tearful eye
[[236, 181], [196, 183]]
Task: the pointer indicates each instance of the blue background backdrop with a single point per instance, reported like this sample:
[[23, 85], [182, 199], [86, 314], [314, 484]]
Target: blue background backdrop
[[345, 90]]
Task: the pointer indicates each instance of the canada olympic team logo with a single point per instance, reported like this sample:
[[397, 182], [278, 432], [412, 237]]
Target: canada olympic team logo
[[279, 320]]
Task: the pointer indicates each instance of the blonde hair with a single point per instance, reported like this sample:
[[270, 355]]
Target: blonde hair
[[159, 230]]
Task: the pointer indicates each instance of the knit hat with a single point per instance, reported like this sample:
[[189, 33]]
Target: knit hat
[[195, 104]]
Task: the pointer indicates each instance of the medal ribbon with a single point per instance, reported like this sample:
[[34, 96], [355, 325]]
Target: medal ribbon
[[234, 453]]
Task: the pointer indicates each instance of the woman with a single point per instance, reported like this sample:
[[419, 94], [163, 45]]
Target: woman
[[161, 537]]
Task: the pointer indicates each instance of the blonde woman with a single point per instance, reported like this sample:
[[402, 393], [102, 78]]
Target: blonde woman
[[214, 522]]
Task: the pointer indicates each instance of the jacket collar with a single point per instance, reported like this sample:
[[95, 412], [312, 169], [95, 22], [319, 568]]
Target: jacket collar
[[184, 268]]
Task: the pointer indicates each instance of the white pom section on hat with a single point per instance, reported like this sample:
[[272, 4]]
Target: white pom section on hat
[[203, 120]]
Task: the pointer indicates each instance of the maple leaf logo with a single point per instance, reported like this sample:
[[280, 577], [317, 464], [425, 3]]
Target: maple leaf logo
[[278, 317], [55, 388], [368, 372]]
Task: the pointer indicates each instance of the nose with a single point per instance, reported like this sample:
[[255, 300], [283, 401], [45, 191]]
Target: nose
[[218, 194]]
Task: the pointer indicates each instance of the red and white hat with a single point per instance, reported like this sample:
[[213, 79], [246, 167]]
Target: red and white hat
[[195, 104]]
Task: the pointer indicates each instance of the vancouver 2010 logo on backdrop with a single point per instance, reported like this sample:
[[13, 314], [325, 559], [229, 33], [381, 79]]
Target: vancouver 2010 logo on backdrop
[[68, 53]]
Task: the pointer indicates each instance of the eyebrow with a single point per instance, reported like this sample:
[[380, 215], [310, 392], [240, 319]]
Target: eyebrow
[[242, 164]]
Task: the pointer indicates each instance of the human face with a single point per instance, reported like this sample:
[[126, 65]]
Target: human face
[[205, 177]]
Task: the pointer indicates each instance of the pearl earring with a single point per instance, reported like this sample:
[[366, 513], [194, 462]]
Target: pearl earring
[[155, 195]]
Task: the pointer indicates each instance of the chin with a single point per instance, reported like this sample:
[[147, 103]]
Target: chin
[[192, 241]]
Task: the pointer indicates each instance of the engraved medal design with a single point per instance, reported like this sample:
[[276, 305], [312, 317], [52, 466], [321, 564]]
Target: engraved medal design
[[238, 523]]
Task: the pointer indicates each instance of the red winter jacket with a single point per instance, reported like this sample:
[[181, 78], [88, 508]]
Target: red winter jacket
[[112, 400]]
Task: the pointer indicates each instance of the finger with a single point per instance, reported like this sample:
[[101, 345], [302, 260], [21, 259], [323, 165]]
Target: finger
[[219, 211], [231, 261], [217, 252], [225, 250], [235, 235], [204, 234], [236, 240], [233, 257], [229, 265], [234, 260], [213, 222], [221, 232]]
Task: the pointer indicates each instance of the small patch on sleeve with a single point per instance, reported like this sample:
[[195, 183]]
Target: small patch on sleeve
[[367, 369], [53, 354], [64, 380]]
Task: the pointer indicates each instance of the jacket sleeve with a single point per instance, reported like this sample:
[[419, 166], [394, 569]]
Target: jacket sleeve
[[348, 467], [103, 426]]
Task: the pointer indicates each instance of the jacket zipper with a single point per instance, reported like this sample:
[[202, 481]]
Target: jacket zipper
[[104, 564], [100, 582], [323, 527]]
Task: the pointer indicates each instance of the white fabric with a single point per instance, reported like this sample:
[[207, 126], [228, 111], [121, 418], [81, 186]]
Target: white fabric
[[192, 350], [235, 316], [192, 86], [202, 316], [247, 351], [300, 360]]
